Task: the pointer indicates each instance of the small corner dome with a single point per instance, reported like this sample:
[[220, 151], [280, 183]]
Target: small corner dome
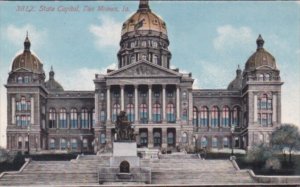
[[52, 84], [260, 58], [236, 83], [144, 19], [27, 60]]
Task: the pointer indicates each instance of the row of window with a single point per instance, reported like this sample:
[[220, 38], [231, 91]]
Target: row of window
[[264, 115], [143, 43], [142, 94], [263, 77], [85, 121], [143, 113], [23, 80], [225, 117], [157, 139], [23, 120], [63, 144], [214, 142], [23, 105]]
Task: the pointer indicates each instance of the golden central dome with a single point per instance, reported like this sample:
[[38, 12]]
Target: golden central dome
[[145, 20], [260, 58], [27, 60]]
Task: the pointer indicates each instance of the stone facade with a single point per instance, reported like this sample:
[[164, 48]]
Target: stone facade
[[160, 102]]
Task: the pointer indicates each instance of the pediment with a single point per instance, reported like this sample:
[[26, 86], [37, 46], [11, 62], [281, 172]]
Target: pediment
[[265, 67], [142, 69], [21, 70]]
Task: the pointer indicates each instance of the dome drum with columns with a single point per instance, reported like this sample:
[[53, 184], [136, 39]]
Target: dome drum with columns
[[144, 36], [165, 109]]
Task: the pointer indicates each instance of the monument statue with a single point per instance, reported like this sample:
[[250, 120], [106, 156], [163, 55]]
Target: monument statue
[[124, 129]]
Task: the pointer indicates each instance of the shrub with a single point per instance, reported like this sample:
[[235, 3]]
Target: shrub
[[272, 164]]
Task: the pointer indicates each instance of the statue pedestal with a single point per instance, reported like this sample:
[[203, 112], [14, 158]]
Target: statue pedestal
[[124, 166], [125, 151]]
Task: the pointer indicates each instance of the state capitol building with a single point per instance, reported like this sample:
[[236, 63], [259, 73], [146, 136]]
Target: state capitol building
[[162, 105]]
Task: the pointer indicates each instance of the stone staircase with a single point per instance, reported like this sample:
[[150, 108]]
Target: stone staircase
[[170, 169], [196, 171]]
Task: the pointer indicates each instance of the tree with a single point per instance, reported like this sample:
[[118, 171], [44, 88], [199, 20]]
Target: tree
[[286, 136], [259, 154]]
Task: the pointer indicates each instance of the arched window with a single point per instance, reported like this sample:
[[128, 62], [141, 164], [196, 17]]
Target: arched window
[[93, 118], [52, 118], [203, 142], [63, 118], [225, 142], [20, 80], [102, 138], [73, 144], [155, 59], [18, 120], [130, 112], [267, 77], [23, 120], [26, 79], [214, 142], [170, 138], [52, 144], [144, 139], [225, 116], [156, 113], [84, 119], [26, 142], [184, 138], [260, 77], [132, 44], [116, 110], [235, 116], [85, 143], [23, 104], [73, 118], [132, 59], [195, 116], [144, 44], [264, 110], [203, 116], [154, 44], [102, 116], [184, 115], [214, 117], [63, 144], [124, 167], [143, 113], [18, 105], [157, 138], [20, 142], [170, 113], [144, 57]]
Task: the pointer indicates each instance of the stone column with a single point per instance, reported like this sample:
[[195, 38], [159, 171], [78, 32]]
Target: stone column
[[274, 106], [96, 110], [190, 107], [177, 103], [108, 104], [164, 102], [13, 110], [150, 102], [255, 108], [32, 110], [122, 97], [150, 138], [136, 114], [164, 138]]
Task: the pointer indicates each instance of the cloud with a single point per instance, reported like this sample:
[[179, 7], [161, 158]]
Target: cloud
[[298, 2], [16, 35], [80, 79], [107, 34], [229, 38]]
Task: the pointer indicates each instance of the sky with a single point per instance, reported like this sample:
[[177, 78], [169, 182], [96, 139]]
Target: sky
[[209, 39]]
